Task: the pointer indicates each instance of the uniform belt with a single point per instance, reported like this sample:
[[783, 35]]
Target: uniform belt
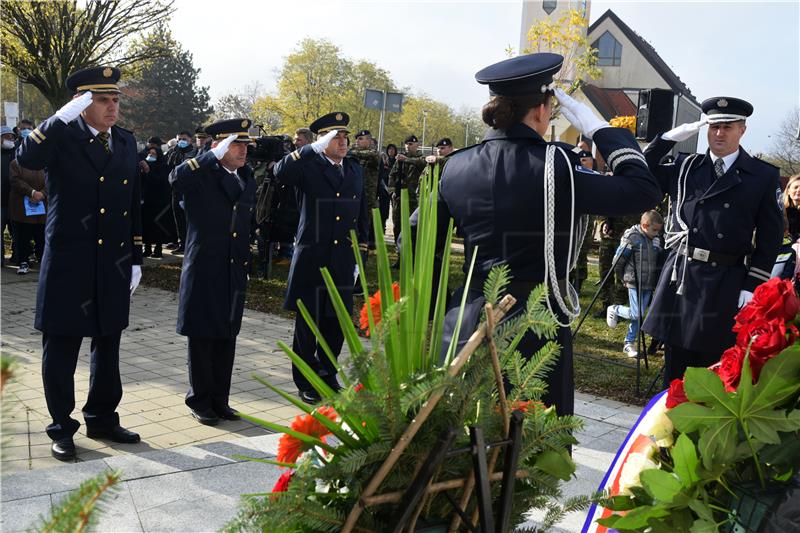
[[707, 256]]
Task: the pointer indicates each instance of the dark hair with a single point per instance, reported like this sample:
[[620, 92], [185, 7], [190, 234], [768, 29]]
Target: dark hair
[[502, 111], [184, 132], [391, 146]]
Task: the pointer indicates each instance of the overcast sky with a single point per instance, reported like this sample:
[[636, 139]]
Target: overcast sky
[[746, 49]]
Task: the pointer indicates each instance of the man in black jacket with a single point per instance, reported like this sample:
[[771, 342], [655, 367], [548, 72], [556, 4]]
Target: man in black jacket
[[92, 255], [219, 192]]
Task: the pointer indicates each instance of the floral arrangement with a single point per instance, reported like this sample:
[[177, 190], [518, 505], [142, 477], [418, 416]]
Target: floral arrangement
[[627, 122], [332, 454], [721, 433]]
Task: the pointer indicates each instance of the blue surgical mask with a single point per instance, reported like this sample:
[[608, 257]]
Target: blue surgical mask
[[24, 133], [183, 143], [150, 158]]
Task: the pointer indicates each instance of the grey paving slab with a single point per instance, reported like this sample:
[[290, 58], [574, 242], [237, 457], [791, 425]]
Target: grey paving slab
[[21, 515], [23, 485]]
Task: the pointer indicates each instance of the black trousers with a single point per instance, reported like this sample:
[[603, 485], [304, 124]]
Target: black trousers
[[677, 360], [59, 360], [306, 346], [210, 369], [24, 234], [180, 217]]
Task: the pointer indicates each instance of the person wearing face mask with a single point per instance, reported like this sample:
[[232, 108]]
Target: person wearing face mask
[[92, 257], [183, 150], [24, 128], [7, 154], [27, 192], [332, 202], [157, 219], [220, 193], [724, 233]]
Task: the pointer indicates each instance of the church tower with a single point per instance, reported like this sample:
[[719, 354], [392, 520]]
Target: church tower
[[534, 10]]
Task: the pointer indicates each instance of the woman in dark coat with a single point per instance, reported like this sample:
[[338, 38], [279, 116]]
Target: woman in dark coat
[[157, 217], [494, 191]]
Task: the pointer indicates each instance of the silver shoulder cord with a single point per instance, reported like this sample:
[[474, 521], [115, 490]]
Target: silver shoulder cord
[[573, 310], [676, 239]]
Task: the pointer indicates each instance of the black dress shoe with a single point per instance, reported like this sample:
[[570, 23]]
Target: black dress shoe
[[226, 413], [114, 434], [311, 397], [63, 449], [207, 417]]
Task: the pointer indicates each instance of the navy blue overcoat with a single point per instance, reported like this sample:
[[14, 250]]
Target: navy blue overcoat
[[93, 232]]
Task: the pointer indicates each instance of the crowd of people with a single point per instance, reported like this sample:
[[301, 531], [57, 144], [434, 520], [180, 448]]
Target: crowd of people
[[84, 201]]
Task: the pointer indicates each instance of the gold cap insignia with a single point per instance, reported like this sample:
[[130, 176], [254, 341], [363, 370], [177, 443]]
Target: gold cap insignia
[[244, 123], [338, 116], [107, 72], [722, 102]]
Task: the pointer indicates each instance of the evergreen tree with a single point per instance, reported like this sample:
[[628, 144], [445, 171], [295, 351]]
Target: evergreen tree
[[162, 96]]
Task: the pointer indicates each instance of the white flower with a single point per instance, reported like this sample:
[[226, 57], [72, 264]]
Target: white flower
[[659, 426], [634, 465]]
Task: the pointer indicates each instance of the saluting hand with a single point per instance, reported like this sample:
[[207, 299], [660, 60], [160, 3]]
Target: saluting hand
[[320, 144], [684, 131], [579, 114], [222, 148], [72, 109]]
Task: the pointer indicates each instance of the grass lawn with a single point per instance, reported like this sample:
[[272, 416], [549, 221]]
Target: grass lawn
[[595, 338]]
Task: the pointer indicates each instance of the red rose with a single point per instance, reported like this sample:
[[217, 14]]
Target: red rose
[[282, 484], [774, 299], [730, 367], [769, 338], [676, 395]]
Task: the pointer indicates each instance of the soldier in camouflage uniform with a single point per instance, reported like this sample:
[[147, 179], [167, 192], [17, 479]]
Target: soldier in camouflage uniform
[[405, 175], [370, 161]]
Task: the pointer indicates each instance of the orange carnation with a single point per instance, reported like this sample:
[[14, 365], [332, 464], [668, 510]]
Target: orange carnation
[[375, 304], [290, 448]]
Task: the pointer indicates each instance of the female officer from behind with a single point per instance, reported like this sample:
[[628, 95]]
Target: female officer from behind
[[517, 199]]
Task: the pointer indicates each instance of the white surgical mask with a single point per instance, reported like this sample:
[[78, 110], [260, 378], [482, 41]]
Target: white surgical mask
[[8, 145], [151, 158]]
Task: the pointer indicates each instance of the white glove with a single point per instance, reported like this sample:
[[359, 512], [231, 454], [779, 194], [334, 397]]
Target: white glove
[[320, 144], [136, 277], [579, 114], [744, 298], [220, 149], [684, 131], [72, 109]]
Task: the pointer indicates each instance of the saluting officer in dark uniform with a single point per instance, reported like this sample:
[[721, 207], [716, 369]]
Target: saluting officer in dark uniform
[[92, 255], [718, 199], [331, 201], [494, 191], [219, 194]]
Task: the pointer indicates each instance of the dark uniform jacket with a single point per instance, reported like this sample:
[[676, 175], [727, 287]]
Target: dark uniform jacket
[[721, 215], [93, 230], [214, 274], [330, 206], [494, 191]]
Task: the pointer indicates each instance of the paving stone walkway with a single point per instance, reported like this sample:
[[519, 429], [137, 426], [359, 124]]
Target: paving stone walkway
[[183, 476]]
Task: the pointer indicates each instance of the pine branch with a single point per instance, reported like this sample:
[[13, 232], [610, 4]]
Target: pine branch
[[79, 509], [496, 282]]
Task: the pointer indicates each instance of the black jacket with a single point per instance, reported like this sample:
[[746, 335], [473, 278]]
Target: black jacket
[[214, 275], [93, 232], [330, 206]]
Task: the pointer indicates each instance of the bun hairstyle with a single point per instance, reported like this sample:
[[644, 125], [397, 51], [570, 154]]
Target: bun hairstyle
[[501, 112]]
